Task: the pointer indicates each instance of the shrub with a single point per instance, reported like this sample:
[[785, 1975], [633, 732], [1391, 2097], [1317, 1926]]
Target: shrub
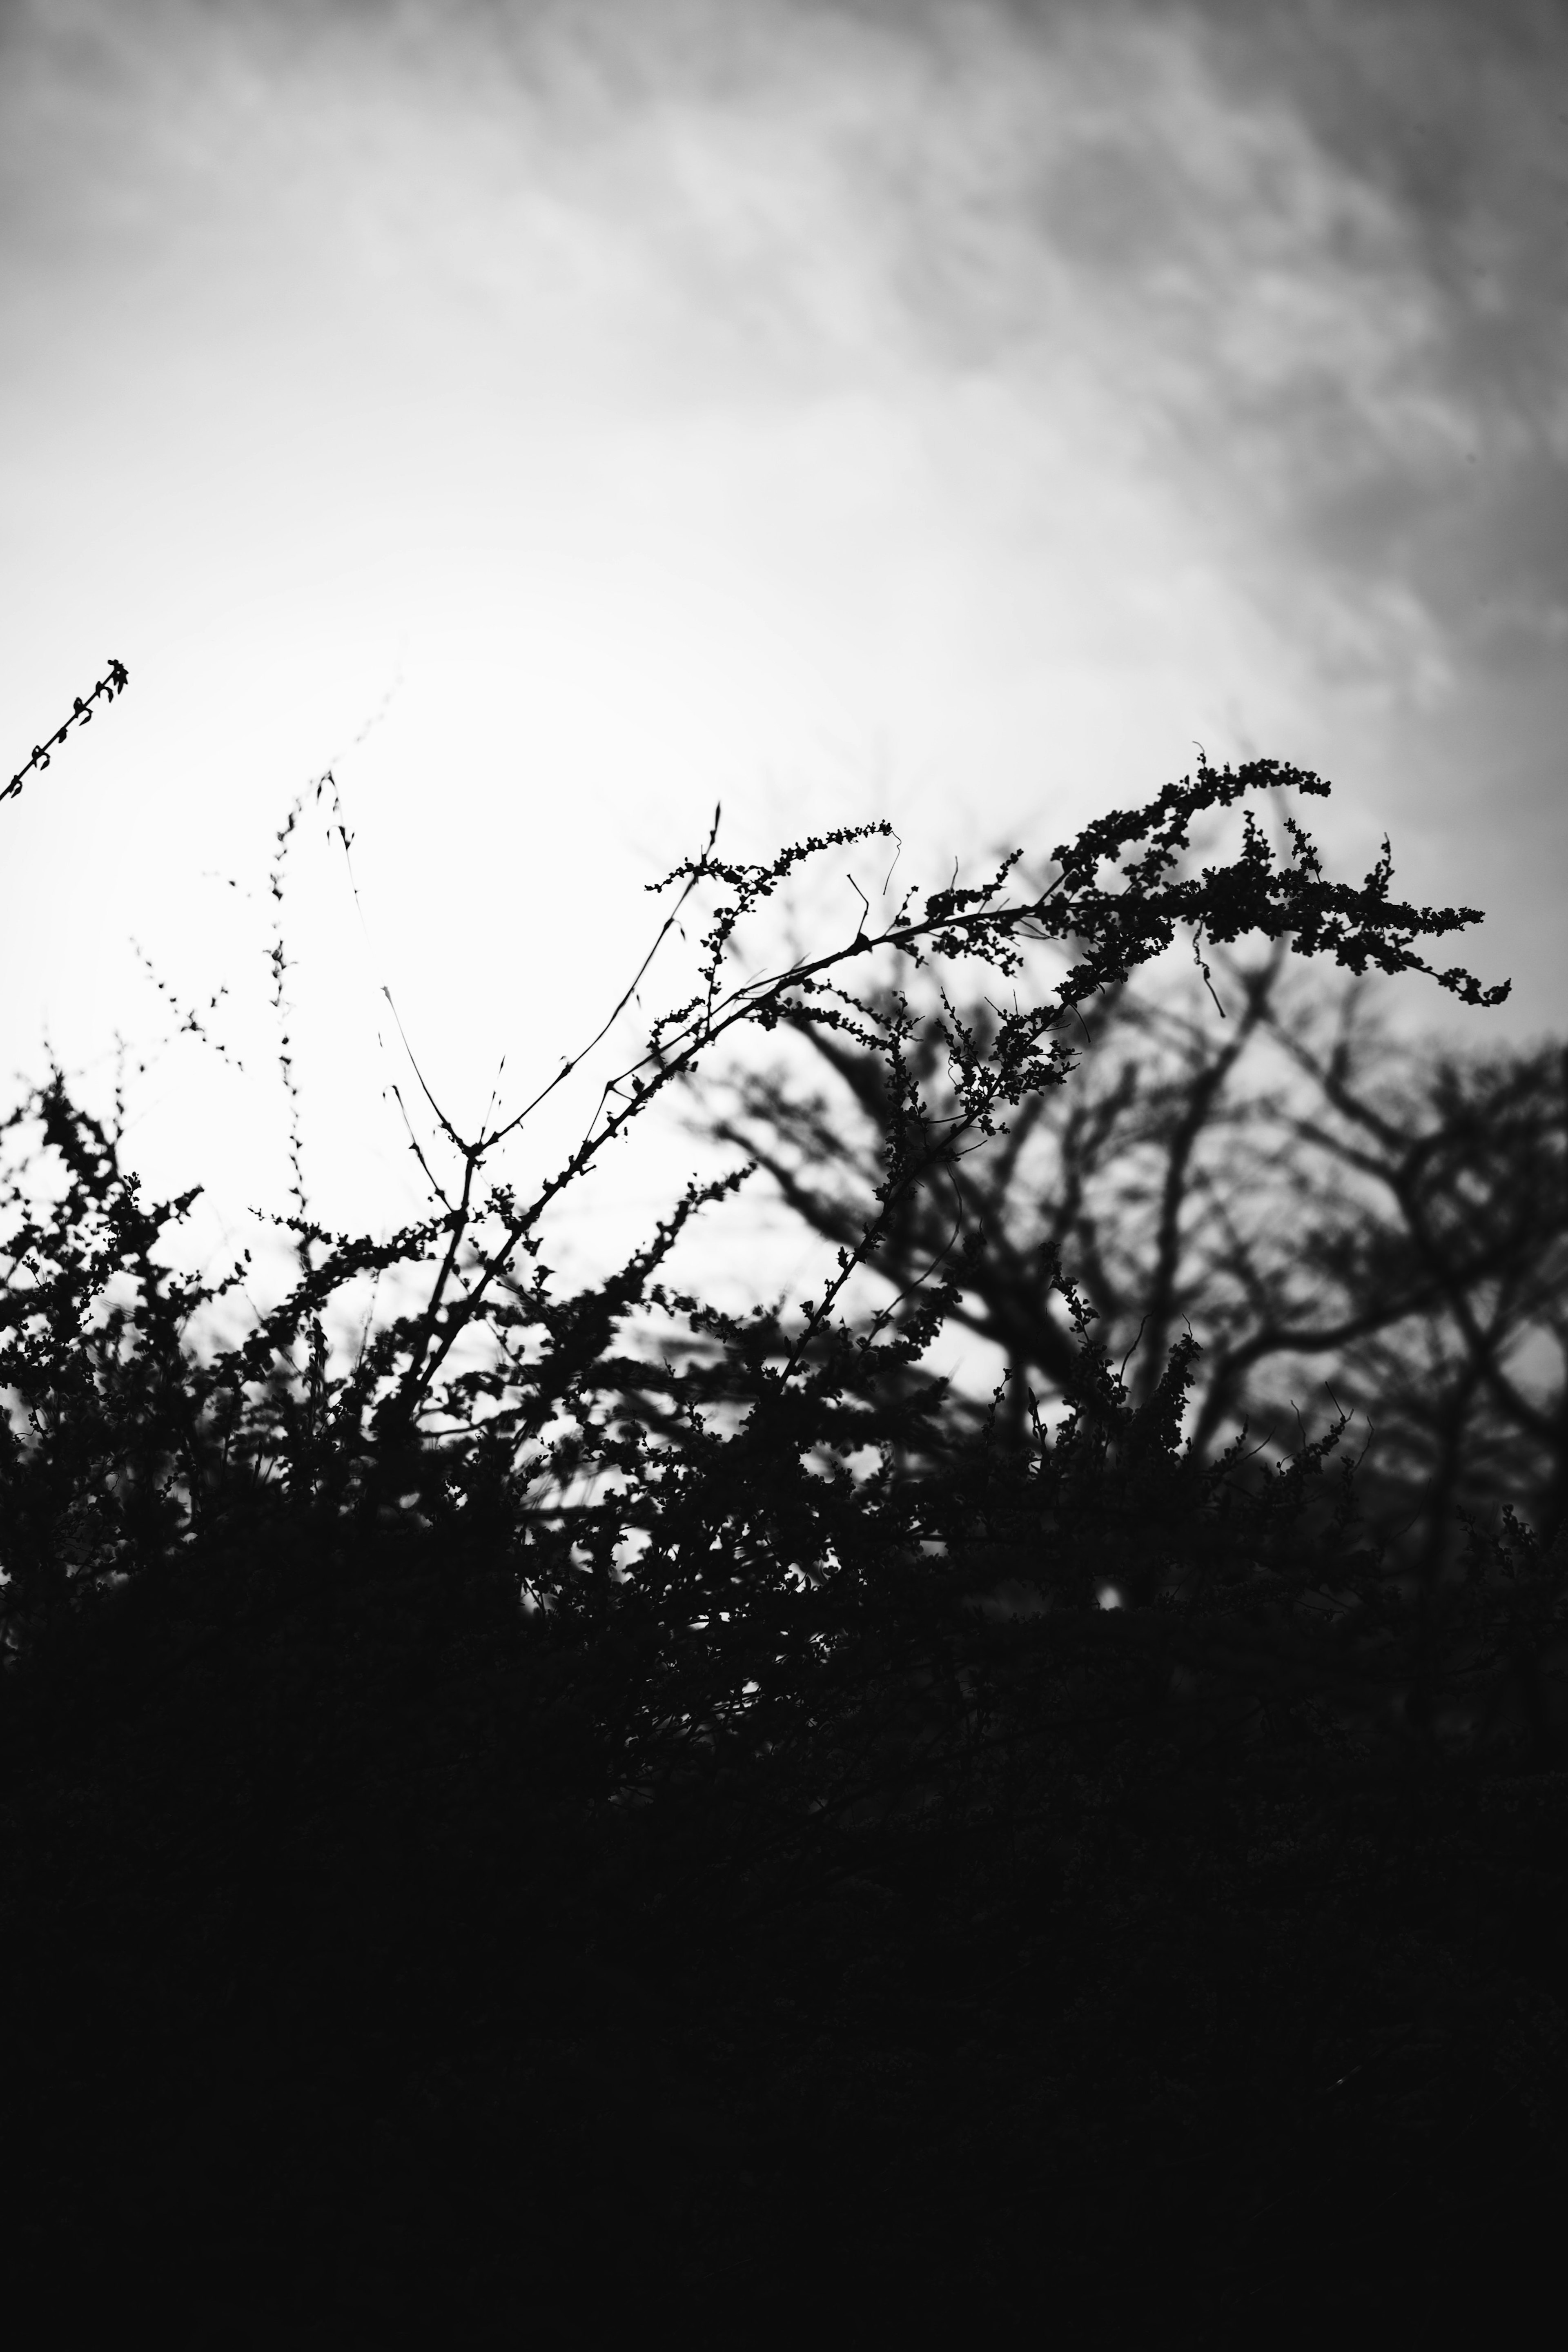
[[529, 1785]]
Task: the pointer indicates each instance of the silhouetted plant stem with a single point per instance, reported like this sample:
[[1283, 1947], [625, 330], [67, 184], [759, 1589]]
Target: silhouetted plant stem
[[114, 681]]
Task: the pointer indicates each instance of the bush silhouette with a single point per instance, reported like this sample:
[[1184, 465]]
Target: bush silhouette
[[547, 1821]]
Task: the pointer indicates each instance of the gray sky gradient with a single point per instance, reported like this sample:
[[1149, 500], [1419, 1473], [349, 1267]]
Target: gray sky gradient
[[941, 411]]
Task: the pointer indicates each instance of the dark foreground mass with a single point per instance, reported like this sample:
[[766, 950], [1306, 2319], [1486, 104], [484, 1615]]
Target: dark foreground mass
[[341, 2009]]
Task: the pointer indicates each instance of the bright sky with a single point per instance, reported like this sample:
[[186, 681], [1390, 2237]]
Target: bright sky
[[555, 418]]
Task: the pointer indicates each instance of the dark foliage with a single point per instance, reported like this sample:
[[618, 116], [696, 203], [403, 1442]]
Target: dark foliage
[[527, 1829]]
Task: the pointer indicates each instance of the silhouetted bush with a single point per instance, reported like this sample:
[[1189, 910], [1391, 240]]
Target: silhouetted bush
[[536, 1825]]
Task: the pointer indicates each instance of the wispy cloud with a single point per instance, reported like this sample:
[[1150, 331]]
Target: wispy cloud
[[1056, 382]]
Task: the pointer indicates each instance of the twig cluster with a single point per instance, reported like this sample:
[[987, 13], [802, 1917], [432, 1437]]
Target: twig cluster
[[114, 681]]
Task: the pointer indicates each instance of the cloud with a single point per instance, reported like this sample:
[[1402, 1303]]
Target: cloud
[[1135, 311], [1054, 384]]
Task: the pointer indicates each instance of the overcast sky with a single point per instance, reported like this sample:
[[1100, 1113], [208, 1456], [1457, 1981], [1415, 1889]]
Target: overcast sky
[[555, 418]]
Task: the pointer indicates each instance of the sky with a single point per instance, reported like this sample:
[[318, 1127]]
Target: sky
[[555, 419]]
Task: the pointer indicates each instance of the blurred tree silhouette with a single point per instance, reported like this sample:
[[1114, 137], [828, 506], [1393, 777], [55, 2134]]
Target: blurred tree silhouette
[[1332, 1212]]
